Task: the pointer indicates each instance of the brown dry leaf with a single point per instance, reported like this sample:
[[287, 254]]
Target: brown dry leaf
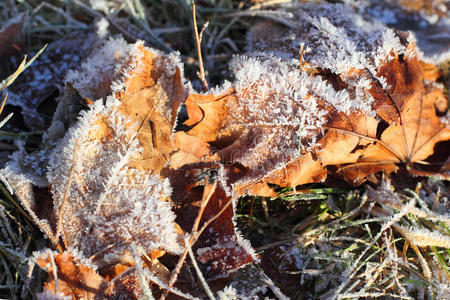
[[146, 99], [73, 278], [220, 247], [207, 115], [106, 173], [276, 124], [411, 139], [109, 173]]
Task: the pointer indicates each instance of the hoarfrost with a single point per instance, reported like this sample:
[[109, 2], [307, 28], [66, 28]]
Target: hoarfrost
[[107, 202], [249, 283], [340, 41], [276, 110], [96, 74], [23, 173]]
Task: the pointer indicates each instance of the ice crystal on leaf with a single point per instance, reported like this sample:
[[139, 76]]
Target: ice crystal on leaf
[[109, 175], [341, 42], [23, 174], [68, 276], [278, 115], [104, 66]]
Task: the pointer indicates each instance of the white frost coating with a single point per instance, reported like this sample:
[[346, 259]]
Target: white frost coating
[[48, 295], [241, 241], [276, 105], [108, 202], [102, 27], [95, 72], [100, 5], [426, 238], [228, 293], [390, 45], [220, 90], [443, 291], [342, 42], [250, 283], [20, 174]]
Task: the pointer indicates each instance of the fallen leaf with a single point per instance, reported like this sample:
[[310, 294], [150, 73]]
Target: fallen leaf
[[73, 278], [220, 247]]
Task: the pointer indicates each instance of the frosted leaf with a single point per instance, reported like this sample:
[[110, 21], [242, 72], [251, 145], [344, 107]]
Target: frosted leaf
[[108, 204], [276, 112], [103, 67], [68, 275], [221, 249], [280, 106], [341, 43], [119, 67]]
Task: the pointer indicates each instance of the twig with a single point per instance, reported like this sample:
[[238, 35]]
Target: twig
[[198, 39], [55, 272], [208, 291], [193, 237], [140, 274], [214, 218]]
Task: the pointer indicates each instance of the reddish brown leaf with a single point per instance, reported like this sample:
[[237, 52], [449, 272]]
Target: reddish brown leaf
[[73, 277], [220, 247]]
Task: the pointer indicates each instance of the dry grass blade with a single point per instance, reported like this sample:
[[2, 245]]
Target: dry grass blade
[[209, 191], [22, 67], [208, 291]]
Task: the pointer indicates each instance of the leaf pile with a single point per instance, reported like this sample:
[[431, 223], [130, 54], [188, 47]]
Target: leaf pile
[[151, 160], [362, 105]]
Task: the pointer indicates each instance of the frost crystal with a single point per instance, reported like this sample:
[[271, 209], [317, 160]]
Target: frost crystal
[[340, 41], [108, 203], [279, 115], [23, 174], [94, 78]]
